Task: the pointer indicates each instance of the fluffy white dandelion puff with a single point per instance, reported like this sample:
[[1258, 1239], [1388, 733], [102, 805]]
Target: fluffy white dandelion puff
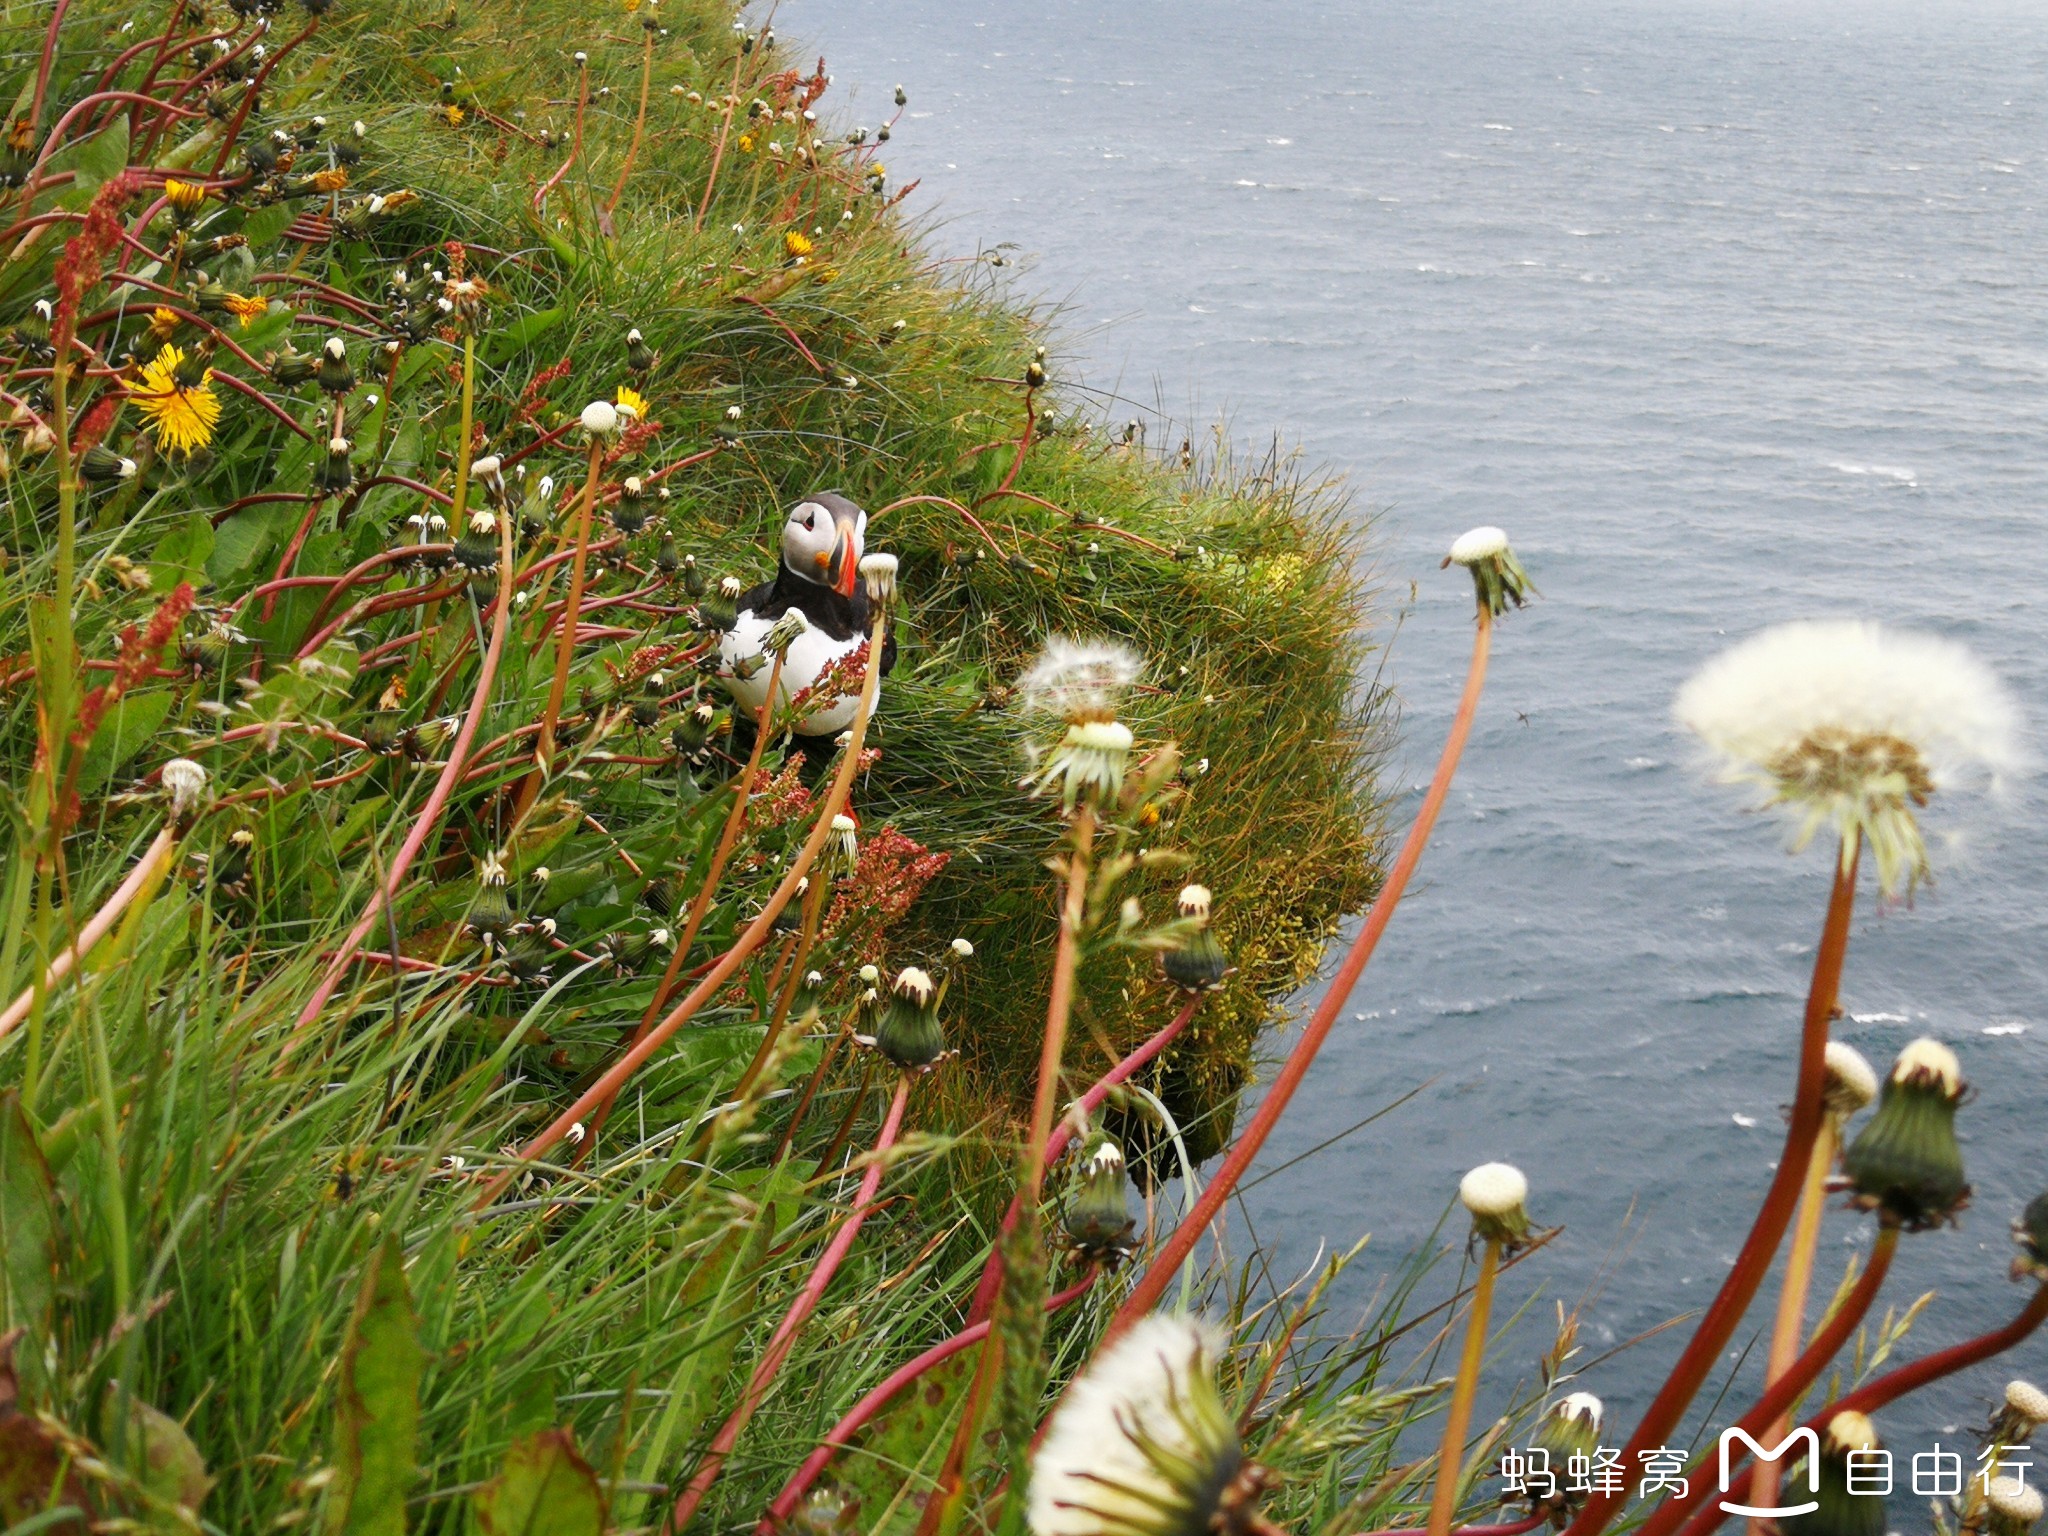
[[184, 784], [1850, 725], [1851, 1080], [1079, 680], [1142, 1445]]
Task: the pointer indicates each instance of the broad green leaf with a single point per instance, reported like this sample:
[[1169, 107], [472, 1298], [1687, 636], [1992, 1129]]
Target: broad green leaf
[[96, 160], [265, 224], [28, 1236], [181, 554], [379, 1411], [546, 1489], [893, 1461], [521, 333], [125, 731], [157, 1449]]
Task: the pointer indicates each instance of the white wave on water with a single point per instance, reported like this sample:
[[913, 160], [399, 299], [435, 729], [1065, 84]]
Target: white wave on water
[[1896, 472], [1880, 1018], [2013, 1027]]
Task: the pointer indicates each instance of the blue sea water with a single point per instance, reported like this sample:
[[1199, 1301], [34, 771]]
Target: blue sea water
[[1730, 313]]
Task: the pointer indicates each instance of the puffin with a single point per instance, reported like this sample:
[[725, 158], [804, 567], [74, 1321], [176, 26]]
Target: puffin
[[823, 540]]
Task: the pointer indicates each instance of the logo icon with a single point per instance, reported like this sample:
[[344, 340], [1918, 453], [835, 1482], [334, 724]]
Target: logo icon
[[1802, 1436]]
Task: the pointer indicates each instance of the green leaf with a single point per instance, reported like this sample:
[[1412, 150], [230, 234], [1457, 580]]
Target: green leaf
[[37, 1464], [546, 1489], [266, 224], [158, 1451], [97, 160], [521, 333], [125, 731], [240, 541], [181, 554], [28, 1235], [896, 1458], [379, 1411]]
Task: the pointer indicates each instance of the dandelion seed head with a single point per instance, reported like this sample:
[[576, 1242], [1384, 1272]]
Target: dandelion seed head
[[1079, 679], [1142, 1445], [2013, 1501], [1583, 1406], [184, 782], [1929, 1061], [600, 418], [1493, 1189], [1193, 901], [1848, 724], [2027, 1400], [962, 949], [1851, 1082]]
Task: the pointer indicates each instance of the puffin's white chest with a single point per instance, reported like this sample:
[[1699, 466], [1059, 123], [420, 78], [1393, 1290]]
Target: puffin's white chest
[[809, 657]]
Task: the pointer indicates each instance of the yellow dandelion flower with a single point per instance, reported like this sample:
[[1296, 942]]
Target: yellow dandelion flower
[[181, 416], [878, 172], [632, 6], [404, 197], [247, 308], [330, 180], [746, 143], [797, 244], [163, 324], [632, 403], [826, 274], [453, 115], [184, 196]]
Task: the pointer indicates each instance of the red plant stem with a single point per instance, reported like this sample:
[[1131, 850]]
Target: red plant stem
[[784, 1337], [1893, 1385], [429, 817], [1512, 1528], [863, 1412], [1754, 1261], [255, 89], [966, 515], [1782, 1393], [1181, 1242], [639, 132], [96, 927], [263, 400], [718, 152], [49, 58], [540, 196]]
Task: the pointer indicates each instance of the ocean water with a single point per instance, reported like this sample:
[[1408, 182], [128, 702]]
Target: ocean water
[[1730, 313]]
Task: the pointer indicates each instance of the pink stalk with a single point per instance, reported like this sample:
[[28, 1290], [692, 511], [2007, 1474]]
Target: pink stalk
[[429, 817], [1181, 1242], [863, 1412], [97, 927], [784, 1337], [992, 1271]]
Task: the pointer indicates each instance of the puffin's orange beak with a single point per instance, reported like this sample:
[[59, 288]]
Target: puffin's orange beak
[[842, 571]]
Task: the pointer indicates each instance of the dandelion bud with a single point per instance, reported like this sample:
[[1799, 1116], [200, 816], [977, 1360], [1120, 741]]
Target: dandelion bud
[[719, 610], [477, 550], [844, 844], [639, 356], [901, 98], [693, 577], [878, 579], [1496, 573], [1034, 371], [2023, 1410], [785, 632], [600, 418], [630, 512], [184, 783], [489, 472], [490, 914], [1199, 963], [2011, 1508], [1851, 1082], [333, 373], [1839, 1512], [1570, 1433], [1143, 1445], [334, 475], [693, 735], [908, 1032], [1494, 1193], [2030, 1231], [1905, 1164], [1097, 1220], [962, 949], [104, 465]]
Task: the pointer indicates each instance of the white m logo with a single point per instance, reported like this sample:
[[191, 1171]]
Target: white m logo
[[1800, 1436]]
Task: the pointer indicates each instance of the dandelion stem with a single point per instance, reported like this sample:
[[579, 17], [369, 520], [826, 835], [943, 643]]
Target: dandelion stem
[[1458, 1417], [1181, 1242], [1791, 1321], [145, 876], [784, 1337], [1753, 1262], [1779, 1396], [639, 130]]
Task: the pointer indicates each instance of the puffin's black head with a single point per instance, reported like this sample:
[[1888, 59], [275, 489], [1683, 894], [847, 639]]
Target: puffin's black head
[[823, 540]]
